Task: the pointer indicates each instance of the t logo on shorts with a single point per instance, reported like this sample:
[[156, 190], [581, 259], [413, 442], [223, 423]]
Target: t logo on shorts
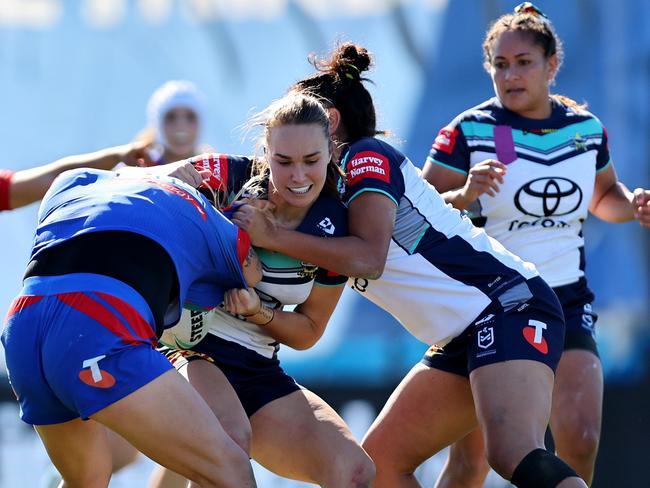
[[534, 335], [94, 376]]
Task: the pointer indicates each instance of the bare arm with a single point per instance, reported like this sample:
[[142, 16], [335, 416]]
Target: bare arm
[[461, 190], [362, 254], [30, 185], [252, 268], [299, 329], [613, 202]]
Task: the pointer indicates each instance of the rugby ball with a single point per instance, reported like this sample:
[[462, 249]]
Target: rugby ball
[[188, 332]]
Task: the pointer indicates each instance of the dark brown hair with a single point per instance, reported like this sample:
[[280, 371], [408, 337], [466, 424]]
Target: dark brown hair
[[339, 83], [539, 30]]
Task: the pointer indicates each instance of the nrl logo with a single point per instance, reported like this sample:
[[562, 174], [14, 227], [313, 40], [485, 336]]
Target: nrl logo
[[485, 337]]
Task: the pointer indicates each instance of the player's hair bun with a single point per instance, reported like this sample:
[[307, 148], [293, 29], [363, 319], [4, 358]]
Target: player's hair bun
[[349, 61]]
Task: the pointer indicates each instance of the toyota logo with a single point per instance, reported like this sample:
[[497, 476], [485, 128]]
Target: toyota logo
[[545, 197]]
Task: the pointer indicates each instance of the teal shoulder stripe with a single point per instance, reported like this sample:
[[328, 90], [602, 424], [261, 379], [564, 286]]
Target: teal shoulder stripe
[[544, 142], [275, 260], [377, 190], [471, 128], [561, 137], [434, 161], [609, 163]]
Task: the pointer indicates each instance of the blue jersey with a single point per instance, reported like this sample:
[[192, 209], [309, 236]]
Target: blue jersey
[[201, 242]]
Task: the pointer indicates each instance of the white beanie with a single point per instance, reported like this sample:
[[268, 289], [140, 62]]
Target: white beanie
[[173, 94]]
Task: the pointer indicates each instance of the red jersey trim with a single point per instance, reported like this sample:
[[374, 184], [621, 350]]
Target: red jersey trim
[[5, 185]]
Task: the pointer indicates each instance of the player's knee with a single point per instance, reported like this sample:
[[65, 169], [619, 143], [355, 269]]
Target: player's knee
[[502, 458], [351, 469], [362, 473], [242, 435], [90, 478], [579, 440], [541, 469], [232, 469], [127, 455], [468, 470]]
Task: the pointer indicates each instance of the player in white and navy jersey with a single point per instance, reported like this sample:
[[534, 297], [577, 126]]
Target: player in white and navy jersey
[[528, 167], [448, 283], [284, 426]]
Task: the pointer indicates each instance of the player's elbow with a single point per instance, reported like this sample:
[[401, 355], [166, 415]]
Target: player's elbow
[[308, 339], [371, 268], [303, 343]]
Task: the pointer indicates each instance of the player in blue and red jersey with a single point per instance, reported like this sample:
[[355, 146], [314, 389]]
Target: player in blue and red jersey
[[110, 269]]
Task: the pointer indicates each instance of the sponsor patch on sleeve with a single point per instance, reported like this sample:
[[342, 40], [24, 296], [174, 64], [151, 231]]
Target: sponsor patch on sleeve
[[368, 164], [217, 164], [446, 139]]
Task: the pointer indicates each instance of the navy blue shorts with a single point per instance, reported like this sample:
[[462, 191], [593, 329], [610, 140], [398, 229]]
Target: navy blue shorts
[[75, 344], [532, 329], [576, 300], [256, 379]]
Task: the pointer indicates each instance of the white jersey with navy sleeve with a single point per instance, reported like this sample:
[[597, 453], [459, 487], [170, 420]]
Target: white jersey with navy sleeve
[[441, 271], [552, 166], [285, 280]]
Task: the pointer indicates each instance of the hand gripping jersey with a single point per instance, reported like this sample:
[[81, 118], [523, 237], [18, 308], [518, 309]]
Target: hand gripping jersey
[[285, 280], [552, 166], [441, 271], [5, 184], [203, 244]]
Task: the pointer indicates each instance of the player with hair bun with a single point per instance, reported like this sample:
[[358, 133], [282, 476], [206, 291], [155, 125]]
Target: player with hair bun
[[449, 284], [529, 166]]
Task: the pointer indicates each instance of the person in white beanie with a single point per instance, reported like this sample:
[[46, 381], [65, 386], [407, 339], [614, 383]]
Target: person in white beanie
[[175, 114]]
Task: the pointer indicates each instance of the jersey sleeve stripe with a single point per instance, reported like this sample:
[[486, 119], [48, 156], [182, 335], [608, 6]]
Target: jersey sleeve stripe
[[434, 161], [376, 190]]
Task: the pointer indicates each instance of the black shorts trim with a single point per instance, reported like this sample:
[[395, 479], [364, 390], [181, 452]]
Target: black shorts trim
[[256, 379]]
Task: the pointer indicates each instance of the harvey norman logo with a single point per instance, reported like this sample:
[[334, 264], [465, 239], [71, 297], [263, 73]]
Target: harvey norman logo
[[368, 164]]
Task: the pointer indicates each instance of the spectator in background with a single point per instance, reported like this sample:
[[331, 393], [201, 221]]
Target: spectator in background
[[175, 114], [529, 166]]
